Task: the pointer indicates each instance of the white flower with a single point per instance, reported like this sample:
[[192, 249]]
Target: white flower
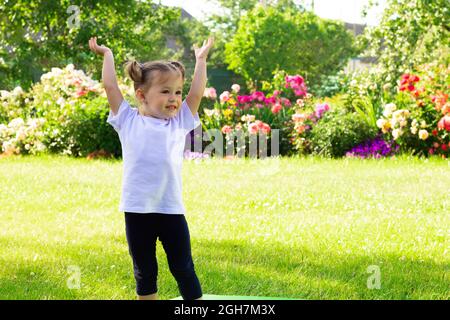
[[413, 130], [236, 88], [4, 94], [56, 71], [15, 123], [381, 123], [20, 135], [60, 101], [208, 112], [40, 146], [248, 118], [396, 133], [17, 91], [423, 124], [423, 134], [388, 109]]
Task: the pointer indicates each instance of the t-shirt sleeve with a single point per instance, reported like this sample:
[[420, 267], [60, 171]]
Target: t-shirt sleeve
[[186, 120], [123, 114]]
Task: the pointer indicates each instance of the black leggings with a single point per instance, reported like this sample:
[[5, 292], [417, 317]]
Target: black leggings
[[142, 230]]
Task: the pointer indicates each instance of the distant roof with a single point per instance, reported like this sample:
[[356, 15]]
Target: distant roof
[[356, 28], [185, 14]]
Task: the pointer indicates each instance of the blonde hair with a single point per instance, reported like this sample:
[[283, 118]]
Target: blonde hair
[[144, 75]]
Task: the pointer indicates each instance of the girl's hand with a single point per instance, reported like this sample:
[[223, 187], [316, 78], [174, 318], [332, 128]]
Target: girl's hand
[[100, 50], [202, 53]]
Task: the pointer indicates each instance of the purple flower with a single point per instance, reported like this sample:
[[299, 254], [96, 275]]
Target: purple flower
[[320, 109], [375, 148]]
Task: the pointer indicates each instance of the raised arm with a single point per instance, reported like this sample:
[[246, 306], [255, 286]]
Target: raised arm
[[112, 89], [199, 80]]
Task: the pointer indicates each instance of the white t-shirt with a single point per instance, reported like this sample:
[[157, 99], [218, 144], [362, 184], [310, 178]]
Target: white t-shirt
[[152, 152]]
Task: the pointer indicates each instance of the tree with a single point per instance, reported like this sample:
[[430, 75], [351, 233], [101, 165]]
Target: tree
[[270, 39], [225, 25], [411, 32], [37, 35]]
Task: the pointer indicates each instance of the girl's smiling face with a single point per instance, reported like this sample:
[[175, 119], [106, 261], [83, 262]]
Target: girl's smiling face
[[163, 99]]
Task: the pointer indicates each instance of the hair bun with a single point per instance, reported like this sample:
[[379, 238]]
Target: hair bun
[[134, 71]]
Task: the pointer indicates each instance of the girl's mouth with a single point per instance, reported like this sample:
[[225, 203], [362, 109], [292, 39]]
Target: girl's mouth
[[171, 107]]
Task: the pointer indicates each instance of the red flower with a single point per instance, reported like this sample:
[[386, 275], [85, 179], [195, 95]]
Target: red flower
[[434, 132], [276, 108], [407, 82]]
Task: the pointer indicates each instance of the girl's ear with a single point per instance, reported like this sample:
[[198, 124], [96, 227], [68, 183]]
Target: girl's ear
[[140, 95]]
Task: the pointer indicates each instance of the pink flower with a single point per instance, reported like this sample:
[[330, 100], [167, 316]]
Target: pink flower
[[244, 99], [286, 102], [320, 109], [444, 123], [210, 93], [297, 83], [259, 124], [81, 93], [276, 108], [226, 129], [253, 128], [265, 128], [270, 100], [258, 95], [300, 102], [236, 88], [224, 97], [276, 93]]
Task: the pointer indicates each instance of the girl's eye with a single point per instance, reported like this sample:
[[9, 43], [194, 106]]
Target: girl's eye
[[178, 92], [165, 91]]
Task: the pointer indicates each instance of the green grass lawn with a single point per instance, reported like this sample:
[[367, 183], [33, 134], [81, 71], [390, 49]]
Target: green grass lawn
[[306, 228]]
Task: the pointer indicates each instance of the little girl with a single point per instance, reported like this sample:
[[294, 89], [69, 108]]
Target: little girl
[[152, 138]]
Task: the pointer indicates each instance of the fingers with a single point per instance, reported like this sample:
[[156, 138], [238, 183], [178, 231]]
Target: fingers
[[93, 44], [210, 42]]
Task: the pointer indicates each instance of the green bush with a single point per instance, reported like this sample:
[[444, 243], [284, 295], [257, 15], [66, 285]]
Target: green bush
[[84, 131], [337, 132], [64, 113]]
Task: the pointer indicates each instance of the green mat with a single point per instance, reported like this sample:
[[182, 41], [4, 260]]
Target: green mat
[[217, 297]]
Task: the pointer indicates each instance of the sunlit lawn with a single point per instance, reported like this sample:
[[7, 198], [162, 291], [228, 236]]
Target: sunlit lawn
[[299, 228]]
